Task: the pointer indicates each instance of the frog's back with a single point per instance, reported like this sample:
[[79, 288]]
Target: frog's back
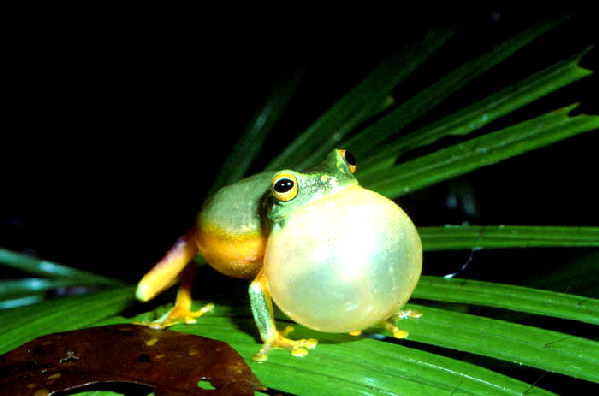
[[230, 227]]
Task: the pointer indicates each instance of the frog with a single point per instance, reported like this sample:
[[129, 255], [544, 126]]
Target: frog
[[332, 255]]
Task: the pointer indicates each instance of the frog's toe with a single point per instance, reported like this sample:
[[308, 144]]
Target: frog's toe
[[391, 325], [296, 347], [178, 315], [300, 352], [190, 317], [397, 333], [409, 313], [391, 322], [260, 357]]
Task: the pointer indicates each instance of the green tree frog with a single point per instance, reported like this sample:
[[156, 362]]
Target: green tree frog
[[335, 257]]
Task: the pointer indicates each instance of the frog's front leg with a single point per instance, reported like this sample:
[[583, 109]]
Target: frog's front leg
[[261, 303], [176, 265]]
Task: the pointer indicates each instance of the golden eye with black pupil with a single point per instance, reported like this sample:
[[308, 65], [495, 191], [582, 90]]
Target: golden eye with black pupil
[[349, 158], [284, 187]]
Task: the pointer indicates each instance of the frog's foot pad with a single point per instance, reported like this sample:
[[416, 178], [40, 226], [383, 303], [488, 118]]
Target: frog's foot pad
[[177, 315], [391, 323], [296, 348]]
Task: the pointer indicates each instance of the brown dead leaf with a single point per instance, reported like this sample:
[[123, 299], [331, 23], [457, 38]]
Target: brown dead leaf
[[171, 362]]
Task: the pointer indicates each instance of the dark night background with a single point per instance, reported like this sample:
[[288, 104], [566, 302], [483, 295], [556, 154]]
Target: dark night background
[[114, 131]]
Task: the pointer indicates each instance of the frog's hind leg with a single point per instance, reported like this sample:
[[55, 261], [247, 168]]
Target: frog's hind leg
[[176, 265], [391, 322], [261, 303], [182, 312]]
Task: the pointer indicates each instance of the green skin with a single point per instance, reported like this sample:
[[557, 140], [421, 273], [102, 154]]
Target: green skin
[[245, 206]]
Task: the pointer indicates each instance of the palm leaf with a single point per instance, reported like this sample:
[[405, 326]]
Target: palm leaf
[[354, 365], [476, 237], [481, 151], [366, 100], [370, 138], [515, 298], [482, 113]]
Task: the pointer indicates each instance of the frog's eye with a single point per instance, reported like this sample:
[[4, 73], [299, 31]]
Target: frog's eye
[[284, 187], [349, 158]]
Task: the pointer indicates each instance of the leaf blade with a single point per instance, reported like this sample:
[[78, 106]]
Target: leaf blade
[[49, 269], [516, 298], [543, 349], [355, 365], [490, 237], [362, 102], [20, 325], [368, 140], [249, 144], [480, 151], [481, 113]]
